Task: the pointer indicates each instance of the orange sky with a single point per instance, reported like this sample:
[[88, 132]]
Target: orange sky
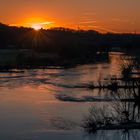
[[102, 15]]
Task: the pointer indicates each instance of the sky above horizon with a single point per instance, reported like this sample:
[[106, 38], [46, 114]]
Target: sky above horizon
[[101, 15]]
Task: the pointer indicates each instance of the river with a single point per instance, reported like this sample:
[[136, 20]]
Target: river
[[42, 104]]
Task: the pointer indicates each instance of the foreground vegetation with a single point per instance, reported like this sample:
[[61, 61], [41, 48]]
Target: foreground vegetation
[[124, 111]]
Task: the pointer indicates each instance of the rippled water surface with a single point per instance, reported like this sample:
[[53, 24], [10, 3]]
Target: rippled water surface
[[43, 104]]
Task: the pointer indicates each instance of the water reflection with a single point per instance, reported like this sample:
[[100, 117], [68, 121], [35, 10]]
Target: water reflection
[[122, 113], [116, 135], [80, 74], [40, 102]]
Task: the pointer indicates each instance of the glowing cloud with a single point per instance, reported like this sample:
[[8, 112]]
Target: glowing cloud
[[39, 25]]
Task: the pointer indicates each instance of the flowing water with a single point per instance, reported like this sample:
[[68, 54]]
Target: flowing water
[[43, 104]]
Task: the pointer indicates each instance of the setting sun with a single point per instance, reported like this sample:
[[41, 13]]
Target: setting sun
[[36, 26]]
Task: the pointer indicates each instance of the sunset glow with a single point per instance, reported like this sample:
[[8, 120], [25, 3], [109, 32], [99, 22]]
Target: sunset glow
[[104, 16], [36, 27], [69, 69]]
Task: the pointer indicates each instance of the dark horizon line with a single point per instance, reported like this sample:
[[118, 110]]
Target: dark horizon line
[[72, 29]]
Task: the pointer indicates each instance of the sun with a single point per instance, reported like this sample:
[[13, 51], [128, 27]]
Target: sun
[[37, 27]]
